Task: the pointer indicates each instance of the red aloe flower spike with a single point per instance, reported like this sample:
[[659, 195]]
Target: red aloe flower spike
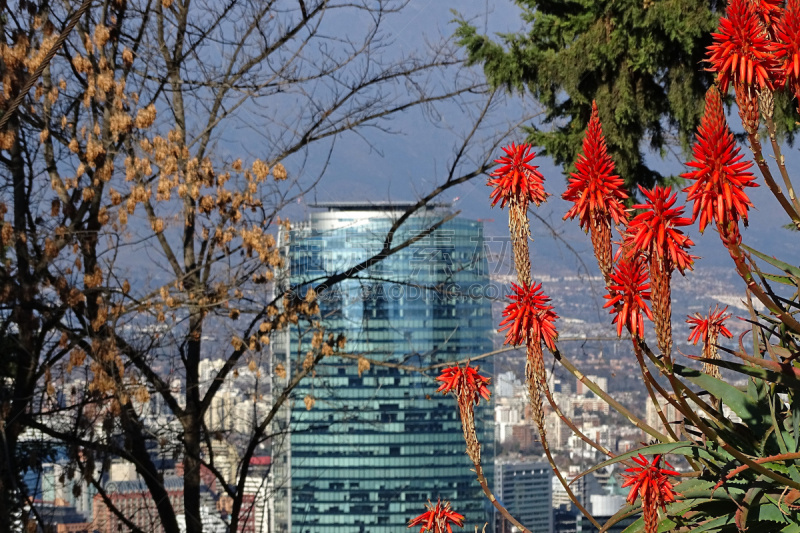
[[768, 11], [628, 290], [713, 112], [741, 51], [721, 175], [465, 382], [438, 518], [786, 47], [594, 188], [649, 482], [528, 318], [708, 329], [596, 192], [655, 231], [516, 179]]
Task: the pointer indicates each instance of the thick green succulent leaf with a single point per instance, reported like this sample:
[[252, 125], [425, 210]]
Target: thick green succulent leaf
[[757, 391], [736, 435], [703, 490], [780, 436], [793, 473], [794, 404], [665, 525], [786, 267], [783, 280], [639, 526], [756, 417], [715, 524], [626, 511], [769, 511], [686, 449], [781, 378], [699, 506]]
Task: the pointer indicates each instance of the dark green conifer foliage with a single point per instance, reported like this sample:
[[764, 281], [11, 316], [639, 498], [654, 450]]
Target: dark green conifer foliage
[[640, 59]]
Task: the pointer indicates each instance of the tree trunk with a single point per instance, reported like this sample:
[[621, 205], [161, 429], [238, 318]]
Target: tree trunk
[[24, 348], [191, 427]]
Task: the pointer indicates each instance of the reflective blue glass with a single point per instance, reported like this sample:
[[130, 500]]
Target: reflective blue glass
[[378, 444]]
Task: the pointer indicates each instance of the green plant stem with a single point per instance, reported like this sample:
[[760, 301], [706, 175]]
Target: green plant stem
[[776, 150], [677, 385], [739, 258], [567, 488], [755, 147], [567, 364], [761, 460], [497, 505], [536, 404], [597, 446], [745, 459], [664, 394], [714, 436], [466, 410], [648, 379]]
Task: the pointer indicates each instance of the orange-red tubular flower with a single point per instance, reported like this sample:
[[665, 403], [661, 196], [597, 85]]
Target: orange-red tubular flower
[[708, 328], [655, 230], [650, 482], [768, 11], [594, 188], [786, 47], [628, 290], [517, 179], [528, 318], [720, 175], [464, 381], [437, 519], [741, 52]]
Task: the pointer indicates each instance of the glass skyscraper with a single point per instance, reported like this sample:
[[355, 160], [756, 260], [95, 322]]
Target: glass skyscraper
[[526, 490], [378, 443]]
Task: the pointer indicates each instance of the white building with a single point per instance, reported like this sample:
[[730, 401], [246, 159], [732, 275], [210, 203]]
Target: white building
[[670, 413]]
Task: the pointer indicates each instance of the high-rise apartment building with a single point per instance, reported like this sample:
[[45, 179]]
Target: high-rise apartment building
[[378, 443], [525, 489]]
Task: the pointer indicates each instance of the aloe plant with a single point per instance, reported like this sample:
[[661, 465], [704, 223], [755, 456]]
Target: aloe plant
[[740, 446]]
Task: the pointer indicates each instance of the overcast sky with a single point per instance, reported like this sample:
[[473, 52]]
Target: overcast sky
[[407, 165]]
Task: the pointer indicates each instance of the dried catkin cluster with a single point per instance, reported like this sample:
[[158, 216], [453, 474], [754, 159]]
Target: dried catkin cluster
[[109, 157]]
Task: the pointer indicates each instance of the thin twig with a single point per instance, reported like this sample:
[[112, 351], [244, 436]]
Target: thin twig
[[34, 77]]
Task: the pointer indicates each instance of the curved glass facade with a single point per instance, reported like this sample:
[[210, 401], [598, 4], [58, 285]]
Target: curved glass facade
[[377, 445]]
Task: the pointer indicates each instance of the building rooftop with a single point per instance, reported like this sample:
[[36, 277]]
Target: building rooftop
[[171, 483], [376, 206], [52, 514]]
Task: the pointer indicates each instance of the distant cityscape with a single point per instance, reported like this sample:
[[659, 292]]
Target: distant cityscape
[[375, 444]]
